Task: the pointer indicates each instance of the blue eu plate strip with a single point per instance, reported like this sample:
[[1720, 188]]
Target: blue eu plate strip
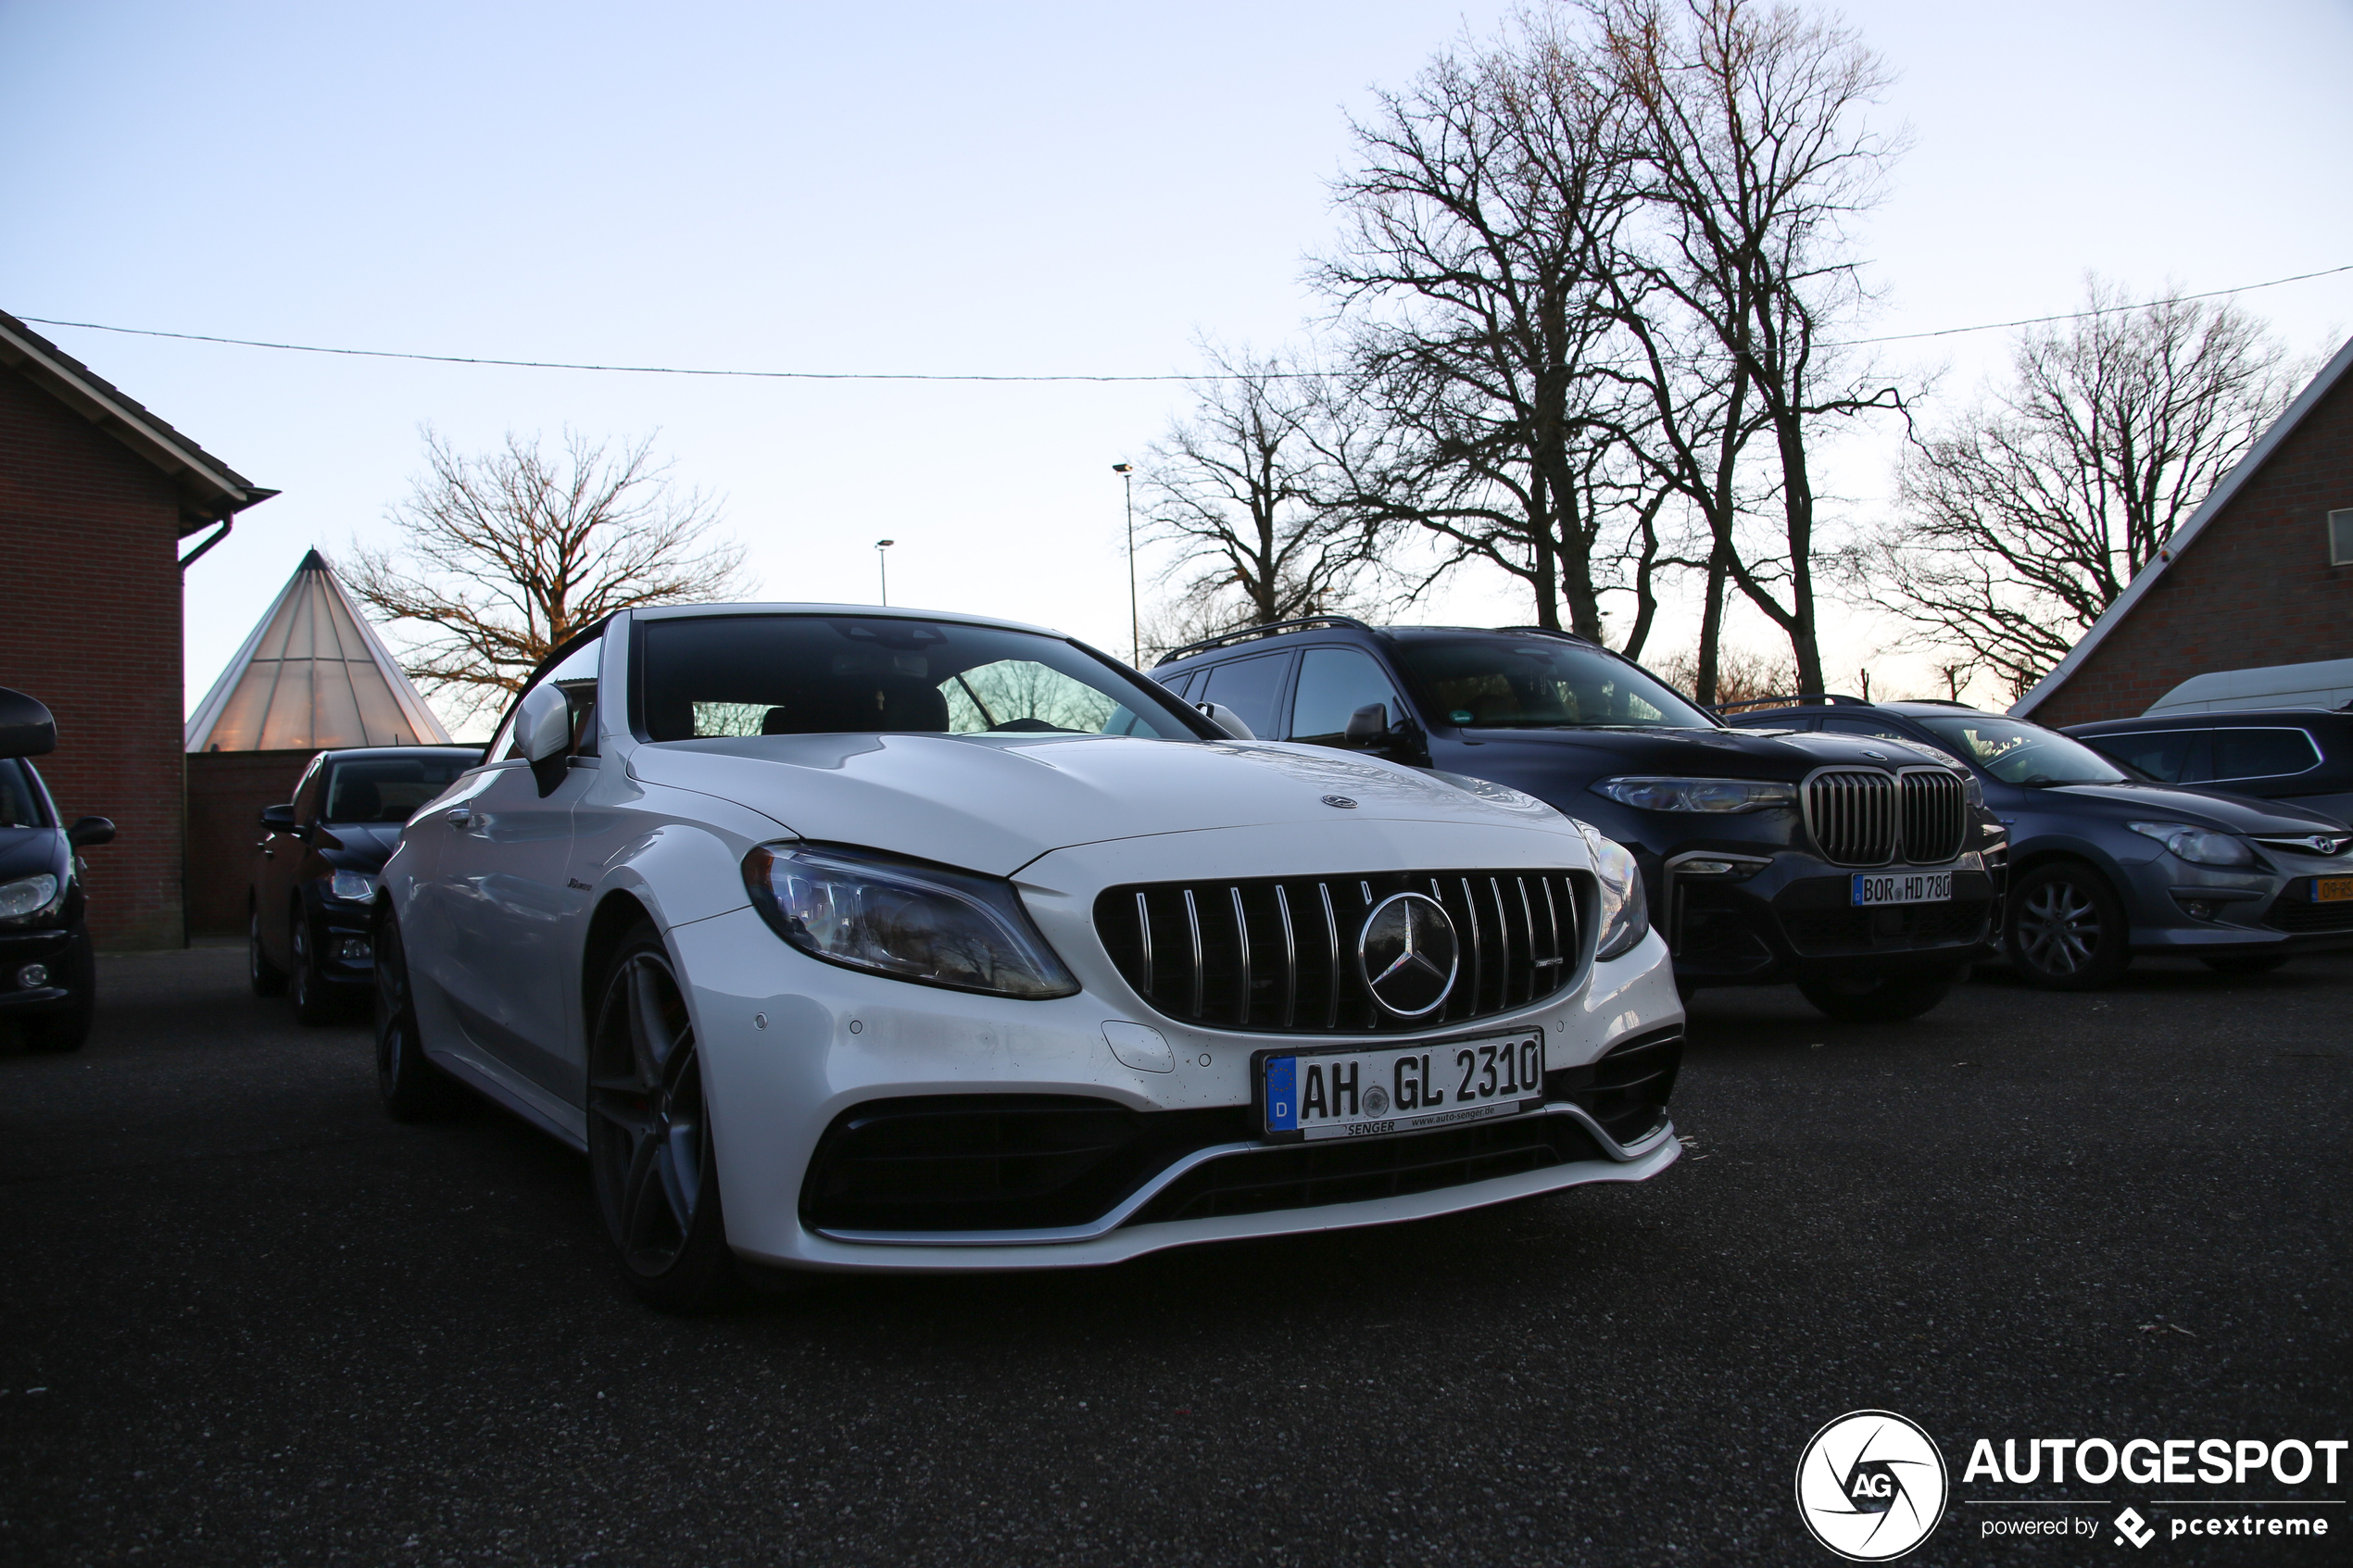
[[1282, 1094]]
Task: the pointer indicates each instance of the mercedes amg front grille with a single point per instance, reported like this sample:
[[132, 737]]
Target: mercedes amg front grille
[[1280, 954], [1864, 817]]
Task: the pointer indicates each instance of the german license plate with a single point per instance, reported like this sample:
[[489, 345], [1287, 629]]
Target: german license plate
[[1904, 887], [1354, 1092], [2331, 889]]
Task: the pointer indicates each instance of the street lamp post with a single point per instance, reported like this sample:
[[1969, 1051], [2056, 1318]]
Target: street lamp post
[[882, 564], [1127, 472]]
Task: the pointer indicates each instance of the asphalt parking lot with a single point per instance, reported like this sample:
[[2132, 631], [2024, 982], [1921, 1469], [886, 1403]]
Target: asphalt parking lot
[[246, 1320]]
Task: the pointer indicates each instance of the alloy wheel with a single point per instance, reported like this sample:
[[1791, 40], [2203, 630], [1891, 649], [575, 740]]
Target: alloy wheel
[[646, 1101], [2059, 928]]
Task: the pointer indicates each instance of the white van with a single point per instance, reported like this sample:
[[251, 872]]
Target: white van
[[2326, 684]]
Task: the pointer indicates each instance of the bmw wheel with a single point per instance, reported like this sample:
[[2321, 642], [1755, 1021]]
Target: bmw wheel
[[267, 979], [411, 1086], [2067, 929], [649, 1147]]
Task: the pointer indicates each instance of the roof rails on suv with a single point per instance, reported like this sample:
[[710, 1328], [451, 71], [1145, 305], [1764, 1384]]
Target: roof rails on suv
[[1795, 699], [1251, 633]]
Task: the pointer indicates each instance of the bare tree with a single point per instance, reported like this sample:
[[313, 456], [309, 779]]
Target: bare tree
[[2024, 520], [1238, 489], [503, 556], [1752, 154], [1481, 218], [1742, 675]]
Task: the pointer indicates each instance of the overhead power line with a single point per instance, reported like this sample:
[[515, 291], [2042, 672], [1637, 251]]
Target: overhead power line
[[964, 376]]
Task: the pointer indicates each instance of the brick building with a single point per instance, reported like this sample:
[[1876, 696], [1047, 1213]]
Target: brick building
[[96, 495], [2261, 574]]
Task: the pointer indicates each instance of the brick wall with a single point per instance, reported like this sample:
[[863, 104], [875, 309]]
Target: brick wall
[[2254, 588], [89, 624], [226, 793]]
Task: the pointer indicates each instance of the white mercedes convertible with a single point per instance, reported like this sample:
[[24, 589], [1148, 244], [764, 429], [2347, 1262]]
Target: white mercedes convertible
[[848, 938]]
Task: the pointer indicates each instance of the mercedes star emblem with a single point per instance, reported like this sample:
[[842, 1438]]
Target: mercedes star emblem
[[1407, 954]]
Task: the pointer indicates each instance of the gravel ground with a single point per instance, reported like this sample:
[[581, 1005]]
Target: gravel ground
[[246, 1320]]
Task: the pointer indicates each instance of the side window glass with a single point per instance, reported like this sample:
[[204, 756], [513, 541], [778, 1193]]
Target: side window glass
[[19, 807], [2161, 754], [1177, 683], [2259, 754], [1249, 686], [576, 678], [1333, 684]]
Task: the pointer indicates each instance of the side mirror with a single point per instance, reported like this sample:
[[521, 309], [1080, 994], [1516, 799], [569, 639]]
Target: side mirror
[[1369, 724], [90, 831], [1227, 720], [26, 728], [278, 819], [544, 729]]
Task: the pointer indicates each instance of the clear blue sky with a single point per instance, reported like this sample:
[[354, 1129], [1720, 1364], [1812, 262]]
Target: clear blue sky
[[1022, 187]]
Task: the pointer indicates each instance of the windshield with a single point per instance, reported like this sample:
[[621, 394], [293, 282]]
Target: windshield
[[811, 674], [1518, 683], [389, 789], [2022, 754], [19, 802]]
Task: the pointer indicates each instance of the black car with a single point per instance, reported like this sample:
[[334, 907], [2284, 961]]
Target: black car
[[48, 978], [1867, 873], [2301, 758], [2105, 863], [314, 871]]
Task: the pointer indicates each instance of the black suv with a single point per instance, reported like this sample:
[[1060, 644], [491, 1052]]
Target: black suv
[[1866, 872], [2105, 862], [2299, 757]]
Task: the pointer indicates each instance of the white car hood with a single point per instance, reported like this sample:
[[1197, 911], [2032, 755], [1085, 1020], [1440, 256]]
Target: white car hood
[[994, 803]]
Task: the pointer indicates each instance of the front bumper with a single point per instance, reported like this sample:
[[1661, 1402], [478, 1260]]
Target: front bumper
[[789, 1045], [1792, 916], [2219, 912], [53, 949]]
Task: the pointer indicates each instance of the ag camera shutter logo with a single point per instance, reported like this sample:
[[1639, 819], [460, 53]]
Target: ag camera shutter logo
[[1871, 1486]]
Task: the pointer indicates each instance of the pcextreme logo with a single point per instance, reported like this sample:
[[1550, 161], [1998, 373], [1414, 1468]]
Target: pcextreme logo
[[1871, 1486]]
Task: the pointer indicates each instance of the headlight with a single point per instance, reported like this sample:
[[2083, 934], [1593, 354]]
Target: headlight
[[2200, 846], [904, 918], [27, 894], [1626, 913], [1648, 794], [356, 886]]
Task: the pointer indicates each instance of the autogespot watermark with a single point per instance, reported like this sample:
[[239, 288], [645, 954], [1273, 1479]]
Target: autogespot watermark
[[1871, 1486]]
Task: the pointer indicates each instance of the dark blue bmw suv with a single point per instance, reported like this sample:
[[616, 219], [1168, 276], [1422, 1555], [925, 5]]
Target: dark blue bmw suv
[[1865, 871]]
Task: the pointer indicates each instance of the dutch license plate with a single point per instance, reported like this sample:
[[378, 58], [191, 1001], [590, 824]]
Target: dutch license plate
[[1354, 1093], [2331, 889], [1904, 887]]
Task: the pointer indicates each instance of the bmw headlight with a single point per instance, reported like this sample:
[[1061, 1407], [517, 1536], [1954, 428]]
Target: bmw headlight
[[1625, 912], [1654, 794], [2199, 846], [26, 896], [355, 887], [904, 918]]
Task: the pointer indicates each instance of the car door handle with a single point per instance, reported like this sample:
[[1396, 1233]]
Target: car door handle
[[459, 816]]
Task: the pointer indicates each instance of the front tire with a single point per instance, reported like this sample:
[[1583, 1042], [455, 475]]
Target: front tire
[[265, 978], [411, 1086], [1878, 998], [315, 1001], [65, 1031], [2067, 929], [650, 1154]]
